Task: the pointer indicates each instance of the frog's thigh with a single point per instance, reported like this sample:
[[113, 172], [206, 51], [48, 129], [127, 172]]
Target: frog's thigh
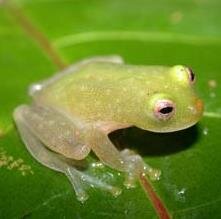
[[53, 130], [54, 161], [48, 157], [35, 147]]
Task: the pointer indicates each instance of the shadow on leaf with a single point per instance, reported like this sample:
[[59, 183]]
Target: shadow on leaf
[[154, 144]]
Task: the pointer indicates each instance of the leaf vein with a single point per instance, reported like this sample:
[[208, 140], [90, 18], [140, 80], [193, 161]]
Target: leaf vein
[[212, 115], [25, 23], [45, 203], [143, 36], [198, 206]]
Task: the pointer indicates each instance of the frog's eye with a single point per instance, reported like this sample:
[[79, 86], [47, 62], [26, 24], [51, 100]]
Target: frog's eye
[[191, 75], [184, 75], [164, 109]]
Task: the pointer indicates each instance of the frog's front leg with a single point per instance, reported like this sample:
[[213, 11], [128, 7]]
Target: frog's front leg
[[126, 161], [42, 128], [136, 166]]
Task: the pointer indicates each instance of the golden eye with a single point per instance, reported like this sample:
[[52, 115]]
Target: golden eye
[[164, 109]]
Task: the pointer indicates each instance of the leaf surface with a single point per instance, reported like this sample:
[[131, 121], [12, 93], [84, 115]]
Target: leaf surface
[[38, 38]]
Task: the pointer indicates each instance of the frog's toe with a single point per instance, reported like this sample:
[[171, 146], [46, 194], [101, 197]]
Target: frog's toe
[[154, 174], [74, 177], [80, 180], [131, 177], [130, 181], [135, 166]]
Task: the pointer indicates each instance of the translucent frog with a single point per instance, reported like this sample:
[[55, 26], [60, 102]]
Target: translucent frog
[[73, 112]]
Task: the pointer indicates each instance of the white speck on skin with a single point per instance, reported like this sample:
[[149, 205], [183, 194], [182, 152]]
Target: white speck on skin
[[34, 88], [108, 91], [192, 109], [51, 122], [117, 100]]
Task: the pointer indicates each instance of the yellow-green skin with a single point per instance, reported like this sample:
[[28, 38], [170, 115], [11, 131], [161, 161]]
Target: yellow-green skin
[[122, 93], [74, 111]]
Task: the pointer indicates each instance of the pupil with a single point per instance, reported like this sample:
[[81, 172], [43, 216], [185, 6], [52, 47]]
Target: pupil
[[192, 76], [166, 110]]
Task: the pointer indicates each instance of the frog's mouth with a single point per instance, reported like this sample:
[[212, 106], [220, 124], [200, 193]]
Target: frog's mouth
[[168, 129], [194, 115], [172, 129], [177, 122]]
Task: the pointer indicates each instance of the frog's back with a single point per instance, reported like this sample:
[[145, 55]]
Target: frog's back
[[94, 73], [94, 85], [97, 73]]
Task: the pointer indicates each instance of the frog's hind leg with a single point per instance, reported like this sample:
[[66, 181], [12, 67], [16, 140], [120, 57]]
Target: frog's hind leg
[[55, 161]]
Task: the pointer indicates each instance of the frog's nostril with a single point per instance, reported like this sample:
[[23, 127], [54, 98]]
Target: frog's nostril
[[199, 105], [196, 108]]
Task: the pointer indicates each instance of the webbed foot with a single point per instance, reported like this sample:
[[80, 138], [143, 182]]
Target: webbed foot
[[81, 180], [136, 166]]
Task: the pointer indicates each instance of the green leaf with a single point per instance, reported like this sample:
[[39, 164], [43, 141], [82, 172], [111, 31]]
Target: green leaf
[[38, 38]]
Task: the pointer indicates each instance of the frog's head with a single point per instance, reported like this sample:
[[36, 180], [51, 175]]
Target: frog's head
[[172, 104]]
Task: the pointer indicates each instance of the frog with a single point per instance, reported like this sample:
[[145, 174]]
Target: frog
[[73, 112]]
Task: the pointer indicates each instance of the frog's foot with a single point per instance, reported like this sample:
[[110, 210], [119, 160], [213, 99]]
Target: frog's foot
[[80, 180], [135, 166]]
